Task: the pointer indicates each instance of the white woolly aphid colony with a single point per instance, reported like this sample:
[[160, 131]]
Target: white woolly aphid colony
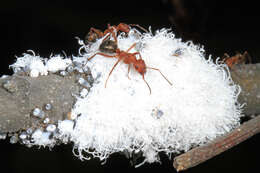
[[199, 106]]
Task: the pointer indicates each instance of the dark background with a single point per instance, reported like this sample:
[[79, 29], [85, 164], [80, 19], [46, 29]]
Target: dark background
[[51, 27]]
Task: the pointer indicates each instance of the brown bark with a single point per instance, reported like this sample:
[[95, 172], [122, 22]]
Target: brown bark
[[19, 95], [248, 77], [219, 145]]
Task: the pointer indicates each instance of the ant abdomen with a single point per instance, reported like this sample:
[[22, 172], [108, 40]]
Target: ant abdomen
[[108, 46]]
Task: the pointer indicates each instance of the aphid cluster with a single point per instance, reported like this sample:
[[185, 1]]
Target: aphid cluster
[[44, 133], [44, 128], [109, 48]]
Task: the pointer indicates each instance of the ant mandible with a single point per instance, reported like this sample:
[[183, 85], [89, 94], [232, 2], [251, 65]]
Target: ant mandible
[[129, 58], [95, 34]]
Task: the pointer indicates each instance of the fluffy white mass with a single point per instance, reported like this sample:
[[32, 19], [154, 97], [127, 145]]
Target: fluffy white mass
[[199, 106]]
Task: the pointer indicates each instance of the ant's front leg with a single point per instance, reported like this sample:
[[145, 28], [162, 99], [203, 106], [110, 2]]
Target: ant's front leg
[[137, 53], [129, 66], [102, 54], [109, 32], [112, 71]]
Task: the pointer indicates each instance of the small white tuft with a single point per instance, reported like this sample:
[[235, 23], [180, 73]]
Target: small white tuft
[[57, 63], [65, 130], [31, 64], [42, 138]]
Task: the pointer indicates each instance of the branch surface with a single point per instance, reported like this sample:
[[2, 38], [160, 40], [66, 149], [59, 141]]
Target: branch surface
[[248, 77], [19, 95]]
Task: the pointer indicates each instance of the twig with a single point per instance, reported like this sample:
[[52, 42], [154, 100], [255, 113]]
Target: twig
[[219, 145]]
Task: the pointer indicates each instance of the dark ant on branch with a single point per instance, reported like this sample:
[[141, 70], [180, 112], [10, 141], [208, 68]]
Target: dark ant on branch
[[95, 34], [236, 59]]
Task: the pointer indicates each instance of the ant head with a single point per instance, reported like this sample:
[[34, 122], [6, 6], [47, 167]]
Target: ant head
[[91, 37], [124, 27], [140, 66]]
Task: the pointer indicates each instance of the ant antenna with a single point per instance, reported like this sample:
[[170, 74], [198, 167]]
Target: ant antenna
[[142, 28], [161, 74], [147, 85]]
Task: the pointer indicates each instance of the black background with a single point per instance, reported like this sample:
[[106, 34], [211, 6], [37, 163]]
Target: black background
[[51, 27]]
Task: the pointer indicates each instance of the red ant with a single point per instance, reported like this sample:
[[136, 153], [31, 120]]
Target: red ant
[[236, 59], [129, 58], [96, 33]]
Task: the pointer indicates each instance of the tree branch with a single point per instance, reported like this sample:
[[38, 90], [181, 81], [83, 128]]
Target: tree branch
[[248, 77], [20, 94]]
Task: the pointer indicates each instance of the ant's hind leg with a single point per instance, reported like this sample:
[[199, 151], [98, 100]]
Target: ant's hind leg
[[112, 71], [129, 66], [248, 57], [131, 47]]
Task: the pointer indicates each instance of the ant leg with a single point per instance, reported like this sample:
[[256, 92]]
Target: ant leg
[[97, 31], [161, 74], [106, 37], [102, 54], [225, 57], [138, 53], [114, 36], [131, 47], [147, 85], [128, 71], [248, 57], [140, 27], [110, 30], [112, 71]]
